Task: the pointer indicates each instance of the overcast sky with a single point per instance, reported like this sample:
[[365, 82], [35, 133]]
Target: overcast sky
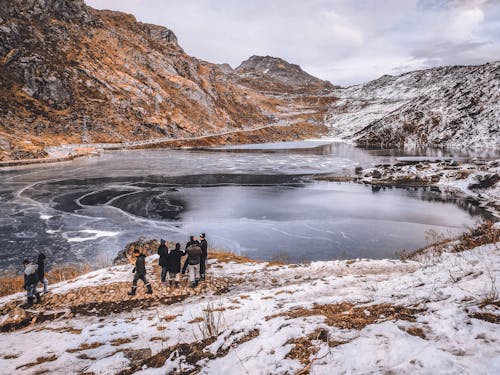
[[344, 41]]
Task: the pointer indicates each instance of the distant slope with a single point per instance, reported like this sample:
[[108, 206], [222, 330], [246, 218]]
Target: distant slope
[[458, 105], [268, 74]]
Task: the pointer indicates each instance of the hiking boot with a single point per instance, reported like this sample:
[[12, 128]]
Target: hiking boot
[[150, 290], [193, 284], [28, 304], [131, 293], [202, 277], [38, 298]]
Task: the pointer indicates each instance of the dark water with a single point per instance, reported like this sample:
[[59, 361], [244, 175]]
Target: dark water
[[259, 203]]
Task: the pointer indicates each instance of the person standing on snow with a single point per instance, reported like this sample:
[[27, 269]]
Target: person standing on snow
[[191, 241], [163, 253], [204, 255], [140, 273], [193, 261], [30, 281], [42, 260], [174, 264]]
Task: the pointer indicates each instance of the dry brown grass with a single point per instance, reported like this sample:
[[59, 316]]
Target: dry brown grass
[[487, 317], [11, 282], [226, 257], [85, 346], [485, 233], [346, 316], [121, 341], [304, 348], [38, 361]]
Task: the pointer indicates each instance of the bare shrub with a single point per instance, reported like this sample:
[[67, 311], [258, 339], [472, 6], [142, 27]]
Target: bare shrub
[[210, 323], [280, 258]]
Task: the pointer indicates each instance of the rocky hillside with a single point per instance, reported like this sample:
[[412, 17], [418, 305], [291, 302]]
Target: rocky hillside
[[272, 74], [70, 73], [458, 105], [73, 74]]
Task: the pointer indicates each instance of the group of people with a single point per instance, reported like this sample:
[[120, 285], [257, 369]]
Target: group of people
[[34, 273], [170, 262]]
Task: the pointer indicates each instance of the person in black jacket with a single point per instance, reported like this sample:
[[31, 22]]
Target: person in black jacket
[[174, 265], [140, 273], [42, 260], [30, 281], [163, 253], [204, 255], [189, 243]]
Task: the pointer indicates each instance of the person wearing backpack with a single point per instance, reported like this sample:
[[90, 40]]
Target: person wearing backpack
[[163, 262], [42, 260], [193, 261], [140, 273], [189, 243], [174, 265], [30, 281]]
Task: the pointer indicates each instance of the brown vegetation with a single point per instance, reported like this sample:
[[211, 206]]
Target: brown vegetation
[[346, 315], [11, 282]]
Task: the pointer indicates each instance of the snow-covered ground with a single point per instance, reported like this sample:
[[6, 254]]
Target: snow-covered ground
[[424, 316]]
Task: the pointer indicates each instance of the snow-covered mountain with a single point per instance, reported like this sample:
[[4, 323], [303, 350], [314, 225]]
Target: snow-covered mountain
[[457, 105]]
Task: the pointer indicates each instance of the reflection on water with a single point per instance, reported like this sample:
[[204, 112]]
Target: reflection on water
[[259, 203]]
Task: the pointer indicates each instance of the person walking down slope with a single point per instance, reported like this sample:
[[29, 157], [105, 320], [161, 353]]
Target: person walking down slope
[[193, 261], [174, 264], [30, 281], [42, 260], [189, 243], [204, 255], [163, 253], [140, 273]]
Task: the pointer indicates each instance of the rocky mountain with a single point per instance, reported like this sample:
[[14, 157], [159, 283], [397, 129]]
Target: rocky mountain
[[457, 105], [72, 74], [272, 74]]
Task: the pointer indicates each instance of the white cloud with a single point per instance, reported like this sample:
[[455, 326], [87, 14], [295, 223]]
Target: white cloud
[[340, 28], [463, 22]]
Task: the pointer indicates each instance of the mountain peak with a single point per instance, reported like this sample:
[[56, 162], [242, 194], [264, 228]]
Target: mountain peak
[[280, 72]]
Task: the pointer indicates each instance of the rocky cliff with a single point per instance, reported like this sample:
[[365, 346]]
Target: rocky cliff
[[73, 74], [457, 105], [70, 73]]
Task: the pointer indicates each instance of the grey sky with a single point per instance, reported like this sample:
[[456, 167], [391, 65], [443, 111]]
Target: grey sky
[[344, 41]]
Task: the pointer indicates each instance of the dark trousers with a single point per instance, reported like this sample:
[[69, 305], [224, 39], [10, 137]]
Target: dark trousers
[[163, 274], [138, 277], [203, 264], [184, 267]]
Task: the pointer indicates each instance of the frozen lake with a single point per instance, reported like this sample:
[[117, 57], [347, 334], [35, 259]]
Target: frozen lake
[[258, 200]]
